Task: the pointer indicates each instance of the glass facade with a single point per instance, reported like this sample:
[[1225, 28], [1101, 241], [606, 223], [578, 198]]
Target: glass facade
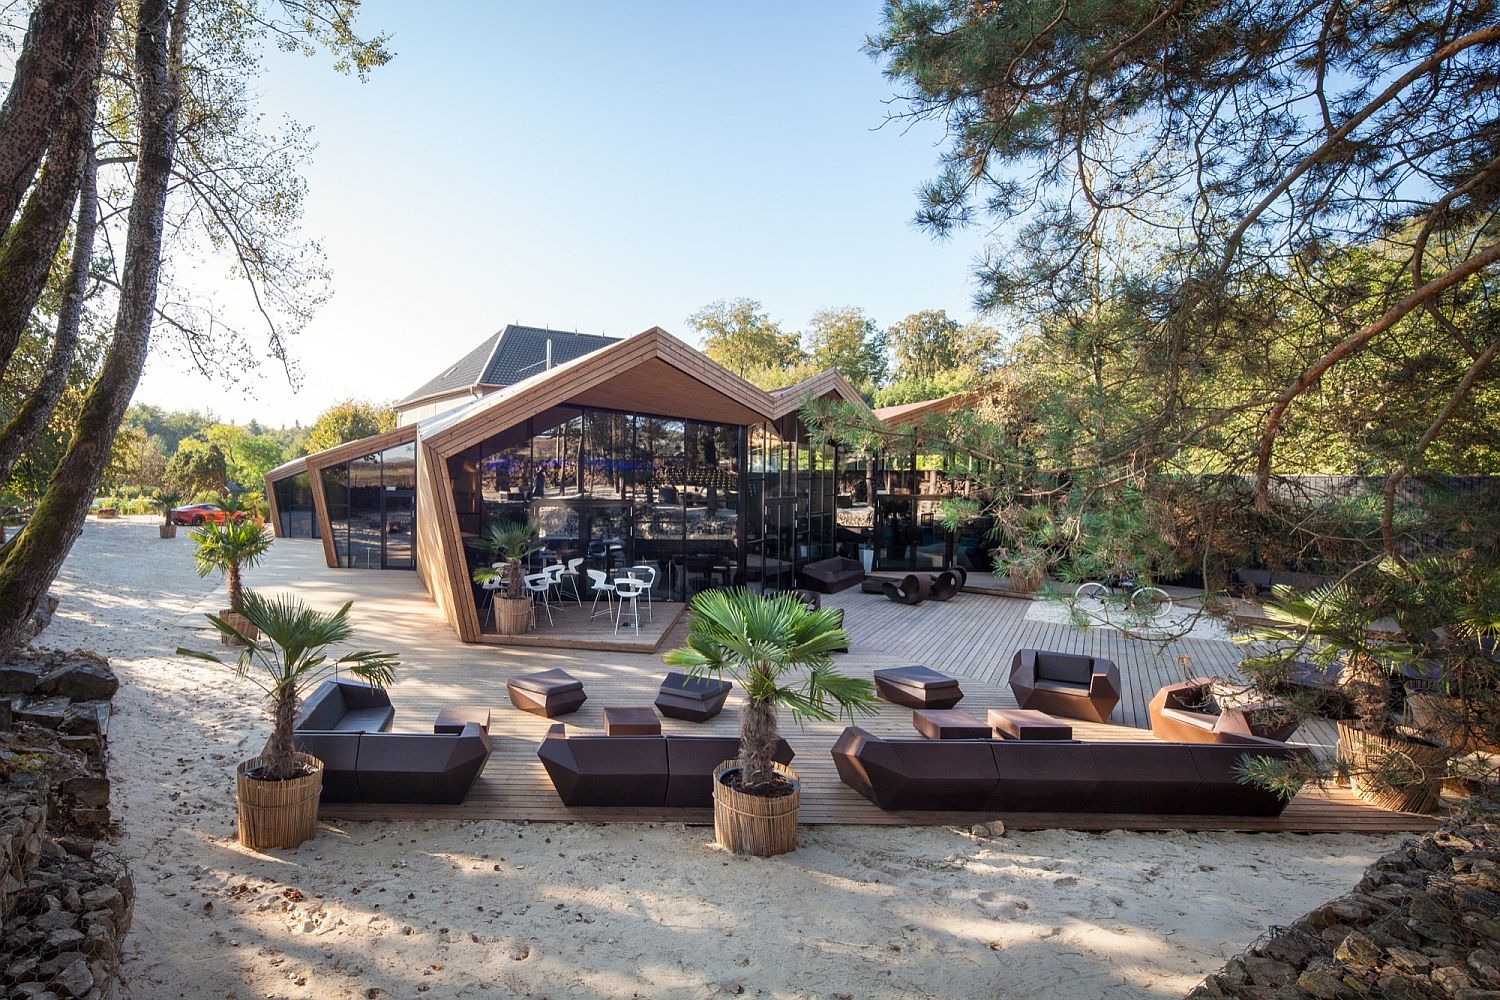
[[616, 489], [888, 515], [372, 512], [295, 508]]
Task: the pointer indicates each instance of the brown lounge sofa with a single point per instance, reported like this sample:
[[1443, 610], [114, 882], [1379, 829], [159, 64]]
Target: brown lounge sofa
[[345, 725], [655, 771], [829, 576], [1077, 687], [1189, 712], [1167, 779]]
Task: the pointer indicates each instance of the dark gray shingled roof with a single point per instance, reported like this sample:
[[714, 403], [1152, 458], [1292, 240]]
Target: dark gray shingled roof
[[507, 357]]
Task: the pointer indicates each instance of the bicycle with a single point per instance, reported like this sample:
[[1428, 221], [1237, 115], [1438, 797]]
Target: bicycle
[[1147, 601]]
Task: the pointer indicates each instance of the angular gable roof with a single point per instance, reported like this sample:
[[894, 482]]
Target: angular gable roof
[[508, 356]]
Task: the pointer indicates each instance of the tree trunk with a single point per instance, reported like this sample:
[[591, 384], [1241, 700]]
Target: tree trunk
[[30, 246], [233, 575], [757, 743], [32, 560], [38, 406], [280, 747], [44, 75]]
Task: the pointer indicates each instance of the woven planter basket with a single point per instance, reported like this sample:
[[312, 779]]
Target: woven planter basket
[[167, 530], [240, 624], [1365, 753], [755, 824], [272, 814], [512, 615]]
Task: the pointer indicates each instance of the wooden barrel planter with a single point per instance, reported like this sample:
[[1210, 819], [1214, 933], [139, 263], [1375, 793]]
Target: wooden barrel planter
[[512, 615], [755, 824], [107, 513], [1368, 752], [277, 814], [167, 530]]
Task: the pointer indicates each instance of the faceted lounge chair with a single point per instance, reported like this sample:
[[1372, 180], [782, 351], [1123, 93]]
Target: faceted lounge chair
[[1187, 712], [1077, 687], [548, 693], [832, 575], [695, 699], [641, 771], [917, 687]]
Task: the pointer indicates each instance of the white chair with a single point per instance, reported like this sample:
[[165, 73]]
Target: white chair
[[555, 573], [538, 585], [628, 588], [490, 587], [570, 575], [600, 584], [647, 575]]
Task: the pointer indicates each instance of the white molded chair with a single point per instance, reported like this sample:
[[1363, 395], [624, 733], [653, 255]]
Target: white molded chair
[[490, 587], [629, 589], [538, 585], [647, 575], [555, 573], [570, 576], [600, 584]]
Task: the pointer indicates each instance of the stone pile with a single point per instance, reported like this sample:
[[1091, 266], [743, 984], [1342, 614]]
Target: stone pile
[[65, 906], [1423, 924]]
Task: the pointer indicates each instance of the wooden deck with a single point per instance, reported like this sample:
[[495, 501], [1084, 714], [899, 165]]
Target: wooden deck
[[573, 627], [971, 637]]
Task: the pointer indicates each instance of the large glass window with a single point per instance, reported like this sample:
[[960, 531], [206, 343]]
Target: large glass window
[[372, 509], [295, 509]]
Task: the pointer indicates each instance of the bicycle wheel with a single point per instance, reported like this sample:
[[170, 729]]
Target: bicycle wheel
[[1152, 602], [1091, 595]]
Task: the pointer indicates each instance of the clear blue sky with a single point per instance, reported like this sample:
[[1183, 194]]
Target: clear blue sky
[[606, 169]]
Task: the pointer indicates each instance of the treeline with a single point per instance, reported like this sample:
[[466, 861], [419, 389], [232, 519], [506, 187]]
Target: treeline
[[196, 456], [926, 355]]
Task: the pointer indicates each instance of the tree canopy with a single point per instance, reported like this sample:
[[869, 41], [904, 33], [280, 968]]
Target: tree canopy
[[349, 420]]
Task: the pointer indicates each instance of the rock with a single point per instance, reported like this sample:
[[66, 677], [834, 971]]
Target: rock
[[75, 980], [79, 847], [80, 680], [20, 677], [1484, 965], [46, 712], [1396, 987], [87, 718], [1326, 984], [70, 898], [41, 616], [1452, 979], [90, 817], [986, 831], [53, 920], [64, 940], [1357, 949], [1407, 960], [88, 790], [1268, 971], [105, 897], [7, 716]]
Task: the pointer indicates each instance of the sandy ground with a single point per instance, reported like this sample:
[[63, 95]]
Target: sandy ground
[[488, 908]]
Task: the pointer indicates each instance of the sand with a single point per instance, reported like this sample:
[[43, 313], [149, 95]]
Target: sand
[[456, 909]]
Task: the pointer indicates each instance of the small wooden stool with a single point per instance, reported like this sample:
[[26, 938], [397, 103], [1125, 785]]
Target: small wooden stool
[[1028, 724], [452, 720], [949, 724]]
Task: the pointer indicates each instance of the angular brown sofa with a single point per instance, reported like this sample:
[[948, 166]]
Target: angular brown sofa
[[1183, 712], [655, 771], [1182, 779], [1078, 687], [345, 725], [830, 576]]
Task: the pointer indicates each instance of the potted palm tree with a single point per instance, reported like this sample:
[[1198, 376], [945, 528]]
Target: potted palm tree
[[511, 541], [276, 793], [778, 649], [166, 499], [229, 548], [1369, 630]]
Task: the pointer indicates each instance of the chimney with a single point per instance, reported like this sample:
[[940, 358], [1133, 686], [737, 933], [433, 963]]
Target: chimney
[[549, 353]]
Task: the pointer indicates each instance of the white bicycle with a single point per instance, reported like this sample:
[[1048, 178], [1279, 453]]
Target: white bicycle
[[1097, 597]]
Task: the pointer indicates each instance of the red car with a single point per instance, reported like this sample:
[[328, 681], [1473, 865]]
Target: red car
[[201, 513]]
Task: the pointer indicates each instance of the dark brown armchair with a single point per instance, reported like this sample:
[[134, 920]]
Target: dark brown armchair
[[1209, 711], [832, 575], [1076, 687]]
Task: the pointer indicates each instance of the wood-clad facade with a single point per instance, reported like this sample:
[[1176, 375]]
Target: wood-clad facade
[[643, 452]]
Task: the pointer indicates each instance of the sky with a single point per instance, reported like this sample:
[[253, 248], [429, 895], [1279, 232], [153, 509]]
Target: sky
[[607, 169]]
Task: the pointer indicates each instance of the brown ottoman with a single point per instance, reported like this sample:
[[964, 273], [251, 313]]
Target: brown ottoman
[[949, 724], [694, 699], [548, 693], [917, 687], [1026, 724], [634, 720], [453, 720]]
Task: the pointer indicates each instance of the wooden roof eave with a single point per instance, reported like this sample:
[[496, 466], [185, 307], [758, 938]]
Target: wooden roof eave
[[318, 461], [501, 410]]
